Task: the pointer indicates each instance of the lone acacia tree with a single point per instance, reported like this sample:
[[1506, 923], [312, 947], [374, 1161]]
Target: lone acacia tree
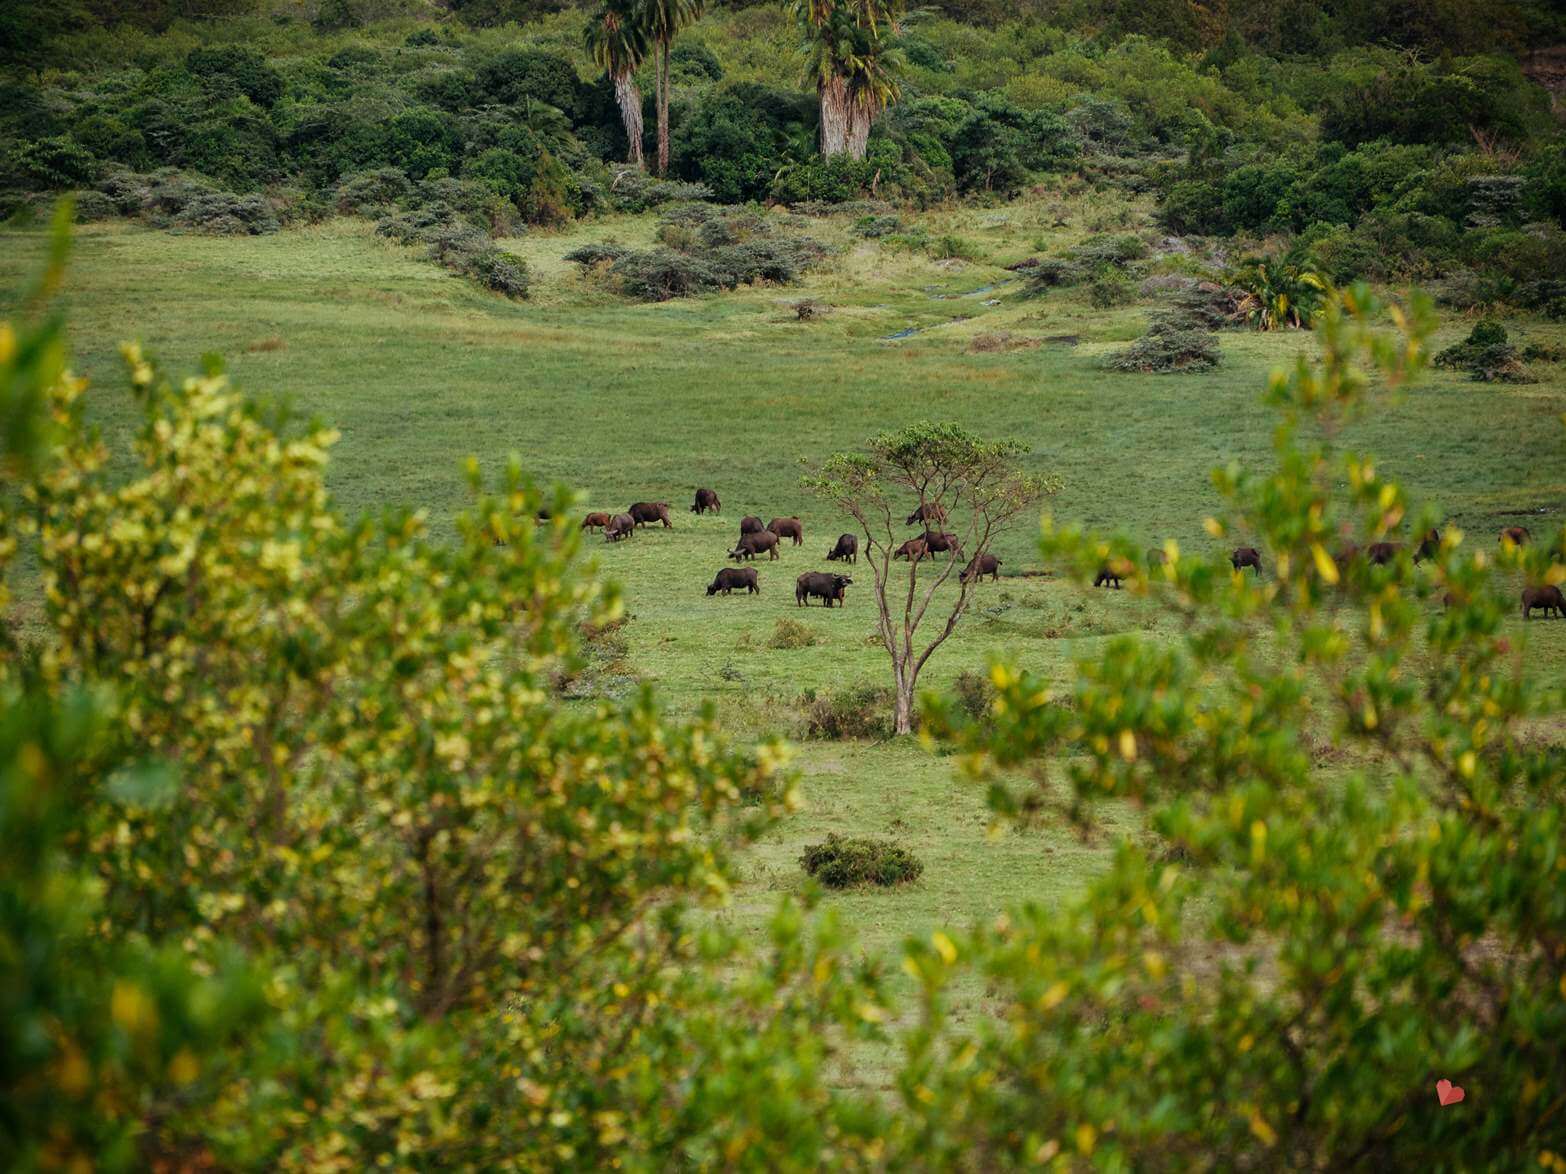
[[937, 471]]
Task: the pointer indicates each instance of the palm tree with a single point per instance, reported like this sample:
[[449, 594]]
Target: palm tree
[[1281, 291], [854, 71], [661, 21], [618, 42]]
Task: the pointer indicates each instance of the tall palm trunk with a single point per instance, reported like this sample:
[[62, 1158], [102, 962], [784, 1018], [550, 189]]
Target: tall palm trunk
[[630, 100], [860, 116], [836, 115], [663, 108]]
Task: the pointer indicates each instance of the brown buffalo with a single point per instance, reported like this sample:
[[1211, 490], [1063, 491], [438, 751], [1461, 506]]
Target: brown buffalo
[[750, 545], [644, 513], [750, 524], [913, 550], [1379, 554], [1516, 535], [847, 549], [1109, 576], [1549, 598], [930, 511], [706, 500], [732, 578], [595, 521], [979, 566], [1246, 556], [620, 526], [1429, 546], [787, 528], [823, 586]]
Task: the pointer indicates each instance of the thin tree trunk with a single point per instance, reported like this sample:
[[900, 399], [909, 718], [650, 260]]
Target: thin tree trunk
[[663, 109], [836, 116], [630, 100], [904, 720]]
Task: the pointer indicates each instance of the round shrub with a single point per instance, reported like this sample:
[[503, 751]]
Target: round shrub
[[1168, 349], [844, 864], [859, 711], [55, 162]]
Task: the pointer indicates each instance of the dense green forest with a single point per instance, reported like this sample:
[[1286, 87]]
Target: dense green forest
[[1391, 140]]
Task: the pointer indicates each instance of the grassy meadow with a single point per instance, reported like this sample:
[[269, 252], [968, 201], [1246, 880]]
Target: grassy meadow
[[626, 401]]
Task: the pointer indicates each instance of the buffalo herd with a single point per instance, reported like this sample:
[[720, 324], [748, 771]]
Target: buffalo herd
[[1547, 598], [758, 538]]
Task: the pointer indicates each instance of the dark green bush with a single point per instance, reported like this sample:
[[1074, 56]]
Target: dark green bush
[[692, 62], [974, 692], [520, 74], [1486, 354], [846, 864], [371, 192], [235, 69], [597, 253], [857, 711], [52, 163], [1169, 348], [656, 275]]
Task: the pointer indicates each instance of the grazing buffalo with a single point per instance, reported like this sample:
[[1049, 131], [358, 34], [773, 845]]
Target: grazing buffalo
[[1549, 598], [1246, 556], [1155, 558], [646, 512], [939, 542], [825, 587], [930, 511], [1516, 535], [979, 566], [595, 521], [913, 550], [750, 545], [1109, 576], [543, 515], [750, 524], [620, 526], [847, 549], [1379, 554], [706, 500], [731, 578], [1429, 546], [787, 528]]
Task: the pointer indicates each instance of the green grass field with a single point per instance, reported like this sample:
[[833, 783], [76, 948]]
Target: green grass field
[[626, 402]]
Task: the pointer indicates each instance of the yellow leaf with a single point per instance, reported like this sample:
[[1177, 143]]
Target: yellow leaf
[[944, 947], [1263, 1131], [1087, 1138], [1325, 567], [1054, 996], [1128, 745]]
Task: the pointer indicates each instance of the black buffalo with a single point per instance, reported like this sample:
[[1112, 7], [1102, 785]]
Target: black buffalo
[[750, 545], [822, 585], [1516, 535], [847, 549], [1429, 546], [939, 542], [750, 524], [1108, 576], [979, 566], [644, 513], [1549, 598], [1246, 556], [620, 526], [732, 578], [706, 500]]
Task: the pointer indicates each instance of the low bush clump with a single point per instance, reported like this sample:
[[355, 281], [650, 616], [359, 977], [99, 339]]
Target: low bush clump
[[1167, 348], [845, 864], [859, 711], [705, 249], [975, 692], [457, 245], [596, 253], [1486, 354], [790, 633]]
